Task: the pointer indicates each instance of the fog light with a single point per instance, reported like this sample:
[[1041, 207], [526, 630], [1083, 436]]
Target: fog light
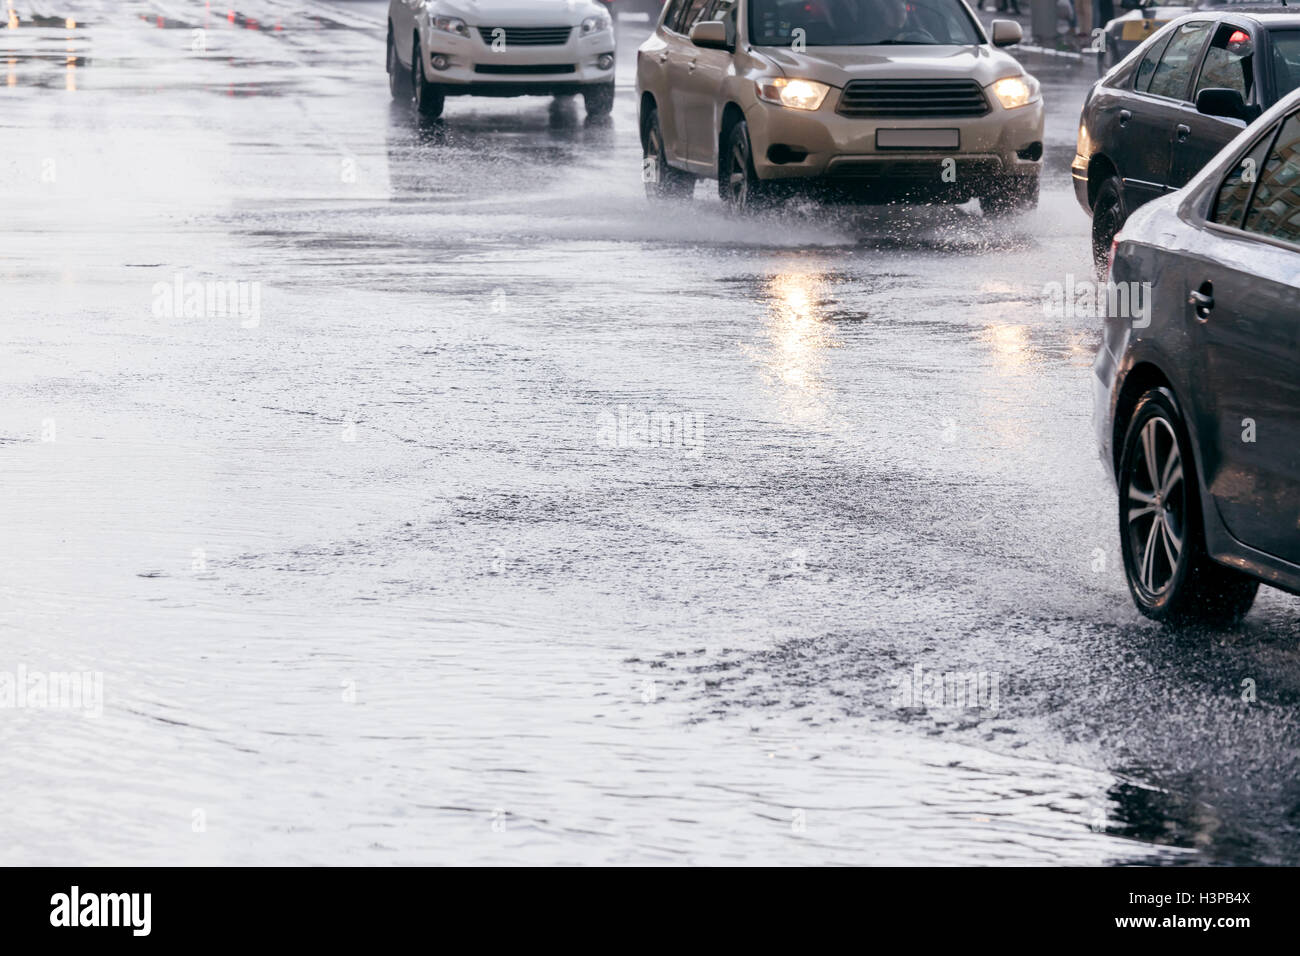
[[440, 62], [605, 61]]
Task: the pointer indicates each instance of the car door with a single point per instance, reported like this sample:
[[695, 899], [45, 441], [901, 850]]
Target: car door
[[1228, 63], [701, 89], [1244, 305], [682, 54], [1157, 109]]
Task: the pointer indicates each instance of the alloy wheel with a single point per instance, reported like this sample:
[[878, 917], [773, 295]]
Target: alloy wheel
[[1156, 514]]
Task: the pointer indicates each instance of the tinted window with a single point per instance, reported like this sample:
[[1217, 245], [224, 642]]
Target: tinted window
[[1275, 210], [861, 22], [1175, 69], [1286, 60], [1229, 62], [1147, 68], [1235, 190], [691, 10], [674, 11]]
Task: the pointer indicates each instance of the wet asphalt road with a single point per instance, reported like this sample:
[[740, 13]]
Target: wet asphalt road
[[531, 523]]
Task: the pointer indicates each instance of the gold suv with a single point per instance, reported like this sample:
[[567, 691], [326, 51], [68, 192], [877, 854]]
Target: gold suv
[[871, 100]]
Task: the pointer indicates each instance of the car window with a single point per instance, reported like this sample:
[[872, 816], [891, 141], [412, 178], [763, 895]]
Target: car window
[[674, 11], [1181, 56], [690, 15], [1285, 46], [1229, 62], [1147, 68], [1275, 209], [1234, 191], [724, 10], [861, 22]]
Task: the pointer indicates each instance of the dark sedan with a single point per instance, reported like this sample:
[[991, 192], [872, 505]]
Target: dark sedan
[[1198, 392], [1154, 120]]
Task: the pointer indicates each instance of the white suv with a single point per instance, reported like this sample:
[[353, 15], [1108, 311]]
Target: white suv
[[441, 48]]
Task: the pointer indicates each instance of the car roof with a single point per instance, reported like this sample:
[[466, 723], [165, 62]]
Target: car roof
[[1272, 17]]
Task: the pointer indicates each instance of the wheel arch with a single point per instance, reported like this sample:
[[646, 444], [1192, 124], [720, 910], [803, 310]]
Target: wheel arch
[[1140, 379], [644, 106], [1100, 168], [731, 115]]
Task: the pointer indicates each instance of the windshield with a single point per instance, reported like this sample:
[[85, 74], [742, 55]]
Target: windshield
[[1286, 60], [859, 23]]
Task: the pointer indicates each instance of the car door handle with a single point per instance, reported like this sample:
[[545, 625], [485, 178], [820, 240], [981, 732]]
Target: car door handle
[[690, 67], [1124, 117], [663, 57], [1202, 300], [1183, 131]]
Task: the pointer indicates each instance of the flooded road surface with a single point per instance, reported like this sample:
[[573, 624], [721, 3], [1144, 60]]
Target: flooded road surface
[[498, 516]]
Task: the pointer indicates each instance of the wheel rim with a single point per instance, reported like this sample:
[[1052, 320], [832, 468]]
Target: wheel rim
[[1155, 507], [738, 174]]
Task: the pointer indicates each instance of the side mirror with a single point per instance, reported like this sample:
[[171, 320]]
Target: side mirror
[[1007, 32], [1217, 102], [710, 34]]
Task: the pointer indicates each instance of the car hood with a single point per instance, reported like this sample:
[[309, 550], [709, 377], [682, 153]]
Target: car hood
[[836, 65], [518, 13]]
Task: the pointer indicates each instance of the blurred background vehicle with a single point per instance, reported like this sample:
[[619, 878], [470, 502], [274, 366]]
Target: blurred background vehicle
[[500, 48]]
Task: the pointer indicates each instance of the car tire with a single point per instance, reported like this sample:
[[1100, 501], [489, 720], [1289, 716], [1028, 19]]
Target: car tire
[[599, 100], [399, 77], [739, 187], [1108, 216], [1170, 576], [429, 98], [1015, 196], [662, 182]]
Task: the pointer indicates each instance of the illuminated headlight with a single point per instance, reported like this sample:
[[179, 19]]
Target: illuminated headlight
[[1014, 92], [594, 24], [451, 25], [796, 94]]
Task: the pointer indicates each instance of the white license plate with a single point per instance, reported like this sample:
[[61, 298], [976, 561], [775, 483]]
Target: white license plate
[[918, 139]]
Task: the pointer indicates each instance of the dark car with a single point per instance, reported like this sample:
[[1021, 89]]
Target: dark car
[[1198, 394], [1142, 18], [1152, 122]]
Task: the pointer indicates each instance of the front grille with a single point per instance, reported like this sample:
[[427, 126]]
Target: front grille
[[912, 98], [527, 36], [511, 69]]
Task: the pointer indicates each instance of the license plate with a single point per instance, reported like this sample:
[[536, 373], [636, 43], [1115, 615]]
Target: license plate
[[918, 139]]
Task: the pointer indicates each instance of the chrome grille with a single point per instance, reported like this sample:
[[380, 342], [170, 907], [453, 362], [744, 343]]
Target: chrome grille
[[901, 99], [528, 36]]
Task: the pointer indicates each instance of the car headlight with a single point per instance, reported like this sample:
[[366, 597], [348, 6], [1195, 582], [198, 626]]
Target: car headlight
[[451, 25], [1014, 92], [796, 94], [594, 24]]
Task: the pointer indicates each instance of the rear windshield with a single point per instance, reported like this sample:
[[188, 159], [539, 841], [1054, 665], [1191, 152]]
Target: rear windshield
[[1286, 60], [860, 23]]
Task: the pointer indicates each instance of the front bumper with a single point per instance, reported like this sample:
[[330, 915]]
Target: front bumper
[[1000, 145], [472, 66], [1079, 175], [1104, 369]]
